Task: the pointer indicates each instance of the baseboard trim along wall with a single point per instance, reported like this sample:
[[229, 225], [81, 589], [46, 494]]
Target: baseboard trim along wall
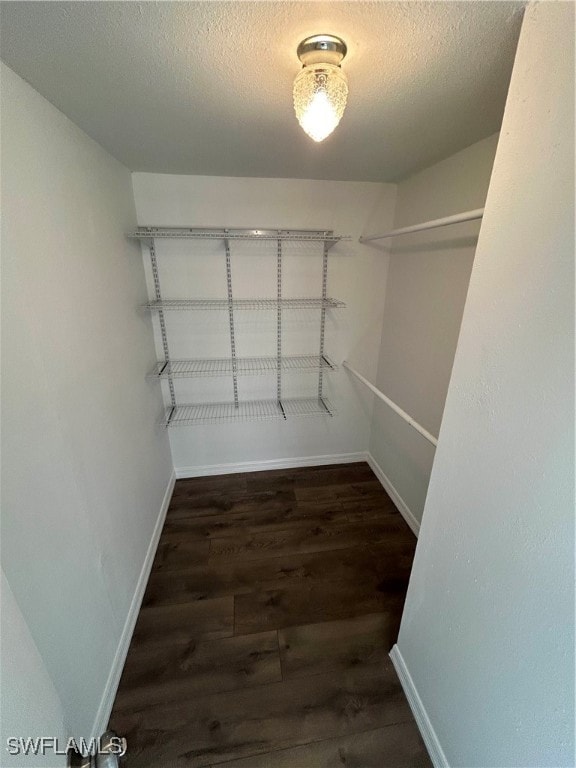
[[403, 508], [420, 715], [105, 708], [260, 466]]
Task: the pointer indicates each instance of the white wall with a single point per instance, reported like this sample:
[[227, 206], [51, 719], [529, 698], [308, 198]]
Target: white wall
[[356, 274], [426, 290], [487, 633], [29, 704], [84, 469]]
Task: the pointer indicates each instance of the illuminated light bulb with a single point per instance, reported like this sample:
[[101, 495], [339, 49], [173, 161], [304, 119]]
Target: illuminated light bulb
[[320, 88], [320, 94]]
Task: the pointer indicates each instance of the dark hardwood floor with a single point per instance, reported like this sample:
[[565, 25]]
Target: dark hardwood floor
[[263, 637]]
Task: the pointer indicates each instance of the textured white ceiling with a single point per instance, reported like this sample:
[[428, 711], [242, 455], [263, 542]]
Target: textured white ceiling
[[206, 87]]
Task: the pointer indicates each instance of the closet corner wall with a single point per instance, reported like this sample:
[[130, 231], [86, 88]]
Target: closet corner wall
[[404, 302], [355, 277], [426, 286]]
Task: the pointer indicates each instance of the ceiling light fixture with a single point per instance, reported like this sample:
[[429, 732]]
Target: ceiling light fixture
[[320, 88]]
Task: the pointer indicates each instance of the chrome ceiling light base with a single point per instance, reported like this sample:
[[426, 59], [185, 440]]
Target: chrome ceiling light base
[[322, 49], [320, 88]]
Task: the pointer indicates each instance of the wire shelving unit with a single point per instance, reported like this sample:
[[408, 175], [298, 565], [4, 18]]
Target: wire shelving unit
[[187, 414], [250, 304], [221, 233], [245, 366], [168, 369]]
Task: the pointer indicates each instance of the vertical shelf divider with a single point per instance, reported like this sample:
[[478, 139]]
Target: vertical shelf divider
[[231, 319], [279, 325], [323, 322], [162, 321]]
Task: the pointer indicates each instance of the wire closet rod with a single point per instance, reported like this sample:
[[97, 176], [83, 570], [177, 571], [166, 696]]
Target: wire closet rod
[[457, 218], [396, 408]]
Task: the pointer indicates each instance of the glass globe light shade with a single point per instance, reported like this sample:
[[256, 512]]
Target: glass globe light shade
[[320, 92]]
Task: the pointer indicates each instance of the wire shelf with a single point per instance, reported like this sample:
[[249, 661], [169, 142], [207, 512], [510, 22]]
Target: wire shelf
[[253, 410], [191, 233], [308, 406], [245, 366], [202, 304]]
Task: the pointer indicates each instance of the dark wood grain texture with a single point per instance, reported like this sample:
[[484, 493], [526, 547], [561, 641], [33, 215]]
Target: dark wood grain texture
[[224, 577], [255, 518], [264, 633], [395, 746], [314, 538], [336, 646], [223, 726], [177, 670], [201, 619], [320, 601]]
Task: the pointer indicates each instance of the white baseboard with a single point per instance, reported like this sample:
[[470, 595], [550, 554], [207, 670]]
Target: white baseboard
[[105, 708], [260, 466], [420, 715], [403, 508]]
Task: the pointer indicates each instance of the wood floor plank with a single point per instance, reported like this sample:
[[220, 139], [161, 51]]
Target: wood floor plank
[[336, 646], [341, 474], [175, 671], [354, 490], [212, 729], [368, 508], [201, 619], [225, 577], [301, 514], [309, 476], [317, 602], [175, 553], [230, 503], [202, 527], [254, 519], [394, 746], [277, 479], [234, 484], [310, 539]]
